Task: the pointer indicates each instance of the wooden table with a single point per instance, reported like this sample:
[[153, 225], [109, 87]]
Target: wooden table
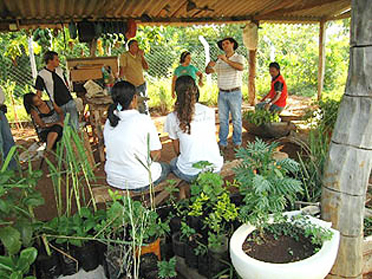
[[98, 113]]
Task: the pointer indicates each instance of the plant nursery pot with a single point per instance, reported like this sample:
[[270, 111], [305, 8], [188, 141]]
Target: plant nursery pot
[[148, 265], [101, 249], [175, 224], [153, 247], [270, 130], [190, 257], [70, 266], [216, 257], [87, 256], [48, 267], [203, 265], [315, 267], [112, 264], [194, 222], [178, 245], [166, 249], [163, 212]]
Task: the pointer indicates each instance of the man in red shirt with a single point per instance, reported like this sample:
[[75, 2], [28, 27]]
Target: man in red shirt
[[276, 99]]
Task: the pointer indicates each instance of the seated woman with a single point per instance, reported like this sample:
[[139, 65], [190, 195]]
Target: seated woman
[[48, 118], [192, 130], [129, 138], [186, 69]]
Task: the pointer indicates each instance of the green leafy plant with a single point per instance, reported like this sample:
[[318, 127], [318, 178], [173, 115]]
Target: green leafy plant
[[264, 182], [260, 117], [268, 188], [325, 116], [71, 171], [211, 201], [17, 266], [187, 233], [18, 200], [167, 269], [75, 230], [312, 164]]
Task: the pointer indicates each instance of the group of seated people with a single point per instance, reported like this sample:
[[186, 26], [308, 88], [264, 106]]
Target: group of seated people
[[133, 148]]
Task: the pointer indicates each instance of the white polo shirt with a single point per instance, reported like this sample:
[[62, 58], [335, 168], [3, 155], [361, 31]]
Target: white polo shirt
[[200, 145], [126, 144], [228, 77]]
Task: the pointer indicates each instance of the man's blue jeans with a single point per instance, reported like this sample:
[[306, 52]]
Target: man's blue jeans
[[273, 107], [186, 177], [6, 140], [230, 102], [70, 107], [165, 170]]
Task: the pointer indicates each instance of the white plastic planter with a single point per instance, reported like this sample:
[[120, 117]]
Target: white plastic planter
[[314, 267]]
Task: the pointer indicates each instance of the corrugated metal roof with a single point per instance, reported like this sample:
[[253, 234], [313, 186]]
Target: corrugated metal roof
[[46, 12]]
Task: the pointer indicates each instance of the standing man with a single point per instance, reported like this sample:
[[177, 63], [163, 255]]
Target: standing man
[[229, 68], [52, 79], [276, 99], [6, 137], [131, 66]]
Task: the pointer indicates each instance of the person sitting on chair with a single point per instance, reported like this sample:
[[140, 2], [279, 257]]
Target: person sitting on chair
[[276, 99], [48, 119], [192, 130], [132, 143]]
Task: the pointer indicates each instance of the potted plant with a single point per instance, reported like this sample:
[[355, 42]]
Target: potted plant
[[190, 239], [113, 231], [167, 269], [17, 218], [211, 202], [18, 265], [268, 189], [267, 124]]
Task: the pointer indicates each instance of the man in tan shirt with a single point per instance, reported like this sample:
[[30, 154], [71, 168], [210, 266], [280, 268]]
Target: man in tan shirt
[[131, 66]]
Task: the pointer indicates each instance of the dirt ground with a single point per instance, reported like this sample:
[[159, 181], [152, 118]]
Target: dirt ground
[[26, 136]]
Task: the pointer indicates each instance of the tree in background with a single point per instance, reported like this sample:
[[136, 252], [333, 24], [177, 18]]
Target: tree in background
[[294, 47]]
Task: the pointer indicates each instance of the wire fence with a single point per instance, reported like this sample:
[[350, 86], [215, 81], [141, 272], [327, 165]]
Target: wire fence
[[162, 63]]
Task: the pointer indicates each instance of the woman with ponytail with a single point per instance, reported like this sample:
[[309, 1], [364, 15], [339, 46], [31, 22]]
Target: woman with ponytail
[[192, 129], [129, 138]]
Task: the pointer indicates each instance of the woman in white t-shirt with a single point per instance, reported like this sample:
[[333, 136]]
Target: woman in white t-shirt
[[129, 136], [192, 130]]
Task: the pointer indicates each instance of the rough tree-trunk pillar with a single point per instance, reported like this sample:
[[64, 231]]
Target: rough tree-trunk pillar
[[252, 77], [321, 66], [350, 155], [250, 40], [93, 48]]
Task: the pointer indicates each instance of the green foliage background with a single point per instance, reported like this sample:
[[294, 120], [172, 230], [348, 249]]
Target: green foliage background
[[294, 47]]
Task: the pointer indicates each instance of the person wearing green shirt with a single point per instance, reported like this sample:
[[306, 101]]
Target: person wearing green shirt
[[186, 69]]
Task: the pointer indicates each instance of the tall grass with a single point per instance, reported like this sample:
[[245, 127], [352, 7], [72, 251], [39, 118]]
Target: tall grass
[[313, 163], [71, 172]]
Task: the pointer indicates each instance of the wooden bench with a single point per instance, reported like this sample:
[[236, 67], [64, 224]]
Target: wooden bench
[[101, 193]]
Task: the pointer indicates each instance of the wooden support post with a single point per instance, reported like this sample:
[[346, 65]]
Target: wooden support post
[[93, 48], [349, 161], [321, 66], [252, 77], [250, 39]]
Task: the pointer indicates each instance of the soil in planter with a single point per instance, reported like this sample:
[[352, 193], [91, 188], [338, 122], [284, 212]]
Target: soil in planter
[[113, 265], [48, 267], [166, 249], [177, 245], [190, 257], [149, 266], [284, 249], [88, 257]]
